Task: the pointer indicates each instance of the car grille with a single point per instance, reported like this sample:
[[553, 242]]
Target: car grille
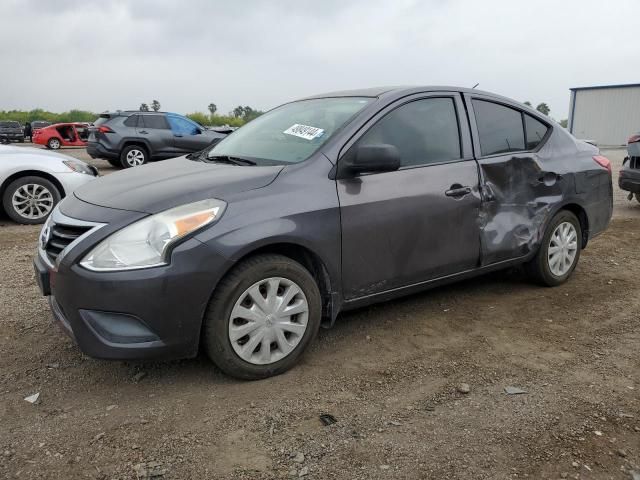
[[634, 162], [60, 236]]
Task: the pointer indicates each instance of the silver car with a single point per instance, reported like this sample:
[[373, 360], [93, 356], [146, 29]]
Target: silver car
[[33, 181]]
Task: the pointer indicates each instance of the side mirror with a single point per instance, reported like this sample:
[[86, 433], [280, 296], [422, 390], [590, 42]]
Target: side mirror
[[369, 159]]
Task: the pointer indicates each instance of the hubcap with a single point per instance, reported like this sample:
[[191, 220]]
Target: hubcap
[[563, 247], [268, 320], [32, 201], [135, 158], [55, 144]]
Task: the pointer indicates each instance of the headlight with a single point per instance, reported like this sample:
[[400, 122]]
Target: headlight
[[80, 167], [145, 243]]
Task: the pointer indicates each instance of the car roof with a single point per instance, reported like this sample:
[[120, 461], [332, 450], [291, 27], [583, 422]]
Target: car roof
[[401, 91]]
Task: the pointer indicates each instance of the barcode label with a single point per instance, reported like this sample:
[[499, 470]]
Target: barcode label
[[304, 131]]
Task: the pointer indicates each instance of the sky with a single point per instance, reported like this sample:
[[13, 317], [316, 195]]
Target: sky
[[115, 54]]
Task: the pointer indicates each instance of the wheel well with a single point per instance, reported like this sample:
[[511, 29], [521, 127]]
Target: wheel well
[[309, 260], [580, 212], [32, 173]]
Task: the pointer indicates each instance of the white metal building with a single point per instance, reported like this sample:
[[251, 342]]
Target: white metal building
[[608, 114]]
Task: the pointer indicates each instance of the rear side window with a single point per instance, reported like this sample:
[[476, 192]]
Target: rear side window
[[536, 130], [424, 131], [132, 121], [499, 128], [152, 121], [182, 126]]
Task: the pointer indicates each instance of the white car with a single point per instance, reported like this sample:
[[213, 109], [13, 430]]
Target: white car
[[33, 181]]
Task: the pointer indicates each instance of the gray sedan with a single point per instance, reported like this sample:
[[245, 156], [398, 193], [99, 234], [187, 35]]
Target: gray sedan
[[319, 206]]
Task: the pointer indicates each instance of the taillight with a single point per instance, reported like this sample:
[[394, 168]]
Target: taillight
[[634, 138], [104, 129], [603, 162]]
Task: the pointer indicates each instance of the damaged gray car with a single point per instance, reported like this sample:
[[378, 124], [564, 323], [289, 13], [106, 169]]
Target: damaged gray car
[[319, 206]]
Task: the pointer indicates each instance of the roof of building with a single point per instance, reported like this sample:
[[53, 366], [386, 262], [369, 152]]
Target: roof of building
[[598, 87]]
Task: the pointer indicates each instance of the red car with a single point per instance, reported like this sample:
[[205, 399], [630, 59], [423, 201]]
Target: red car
[[62, 135]]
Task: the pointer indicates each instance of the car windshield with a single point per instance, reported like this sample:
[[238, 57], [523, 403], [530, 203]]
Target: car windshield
[[290, 133], [9, 124]]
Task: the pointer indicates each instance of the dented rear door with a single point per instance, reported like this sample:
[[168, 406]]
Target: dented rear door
[[520, 186]]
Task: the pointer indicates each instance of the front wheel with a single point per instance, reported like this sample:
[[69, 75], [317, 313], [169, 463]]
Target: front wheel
[[29, 200], [262, 317], [53, 144], [559, 251]]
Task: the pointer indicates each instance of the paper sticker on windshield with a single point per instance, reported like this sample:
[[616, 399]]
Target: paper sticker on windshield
[[304, 131]]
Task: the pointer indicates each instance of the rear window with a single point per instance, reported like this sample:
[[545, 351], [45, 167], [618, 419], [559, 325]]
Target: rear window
[[536, 130], [499, 128], [153, 121], [10, 124], [102, 119], [132, 121]]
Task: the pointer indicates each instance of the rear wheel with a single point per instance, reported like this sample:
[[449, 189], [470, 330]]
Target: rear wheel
[[133, 156], [53, 143], [29, 200], [559, 252], [262, 317]]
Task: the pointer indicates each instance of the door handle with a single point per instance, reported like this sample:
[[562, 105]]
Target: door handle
[[456, 190], [144, 132], [177, 135]]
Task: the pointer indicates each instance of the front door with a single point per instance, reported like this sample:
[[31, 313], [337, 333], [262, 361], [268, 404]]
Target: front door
[[419, 222], [187, 135]]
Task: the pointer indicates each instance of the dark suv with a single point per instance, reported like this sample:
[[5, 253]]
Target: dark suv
[[11, 130], [129, 139]]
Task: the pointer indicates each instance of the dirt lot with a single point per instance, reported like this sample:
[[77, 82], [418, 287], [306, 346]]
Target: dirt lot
[[389, 374]]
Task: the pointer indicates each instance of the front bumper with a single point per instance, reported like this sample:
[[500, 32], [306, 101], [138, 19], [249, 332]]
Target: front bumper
[[629, 180], [136, 314]]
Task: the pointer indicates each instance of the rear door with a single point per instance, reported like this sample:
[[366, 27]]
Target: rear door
[[155, 130], [519, 186], [187, 135], [420, 222]]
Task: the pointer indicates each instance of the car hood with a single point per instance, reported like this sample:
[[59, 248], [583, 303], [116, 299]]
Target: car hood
[[159, 186]]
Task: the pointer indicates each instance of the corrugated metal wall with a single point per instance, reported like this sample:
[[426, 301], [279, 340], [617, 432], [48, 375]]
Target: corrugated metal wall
[[607, 115]]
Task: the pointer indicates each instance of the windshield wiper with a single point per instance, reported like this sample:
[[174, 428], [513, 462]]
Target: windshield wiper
[[231, 160]]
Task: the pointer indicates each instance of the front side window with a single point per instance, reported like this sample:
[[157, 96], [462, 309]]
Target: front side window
[[182, 126], [536, 130], [290, 133], [424, 131], [499, 128]]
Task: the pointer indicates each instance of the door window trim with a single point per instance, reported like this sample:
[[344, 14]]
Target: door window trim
[[475, 135], [466, 152]]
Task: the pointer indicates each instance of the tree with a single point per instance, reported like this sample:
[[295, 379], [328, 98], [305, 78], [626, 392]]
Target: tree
[[212, 108], [155, 105], [528, 103], [543, 108], [564, 123], [144, 107], [238, 112]]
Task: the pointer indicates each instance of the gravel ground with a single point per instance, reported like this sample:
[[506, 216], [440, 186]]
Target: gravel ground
[[417, 386]]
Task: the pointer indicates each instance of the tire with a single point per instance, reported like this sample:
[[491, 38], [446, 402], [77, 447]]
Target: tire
[[637, 197], [114, 162], [23, 187], [53, 143], [540, 268], [133, 156], [21, 140], [232, 289]]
